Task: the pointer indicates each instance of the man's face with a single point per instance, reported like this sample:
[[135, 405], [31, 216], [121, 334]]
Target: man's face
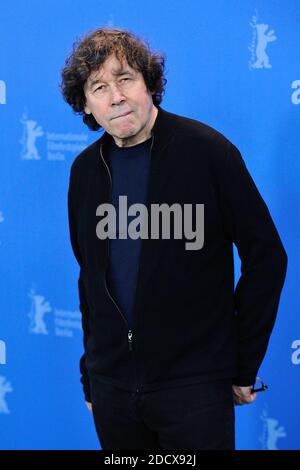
[[117, 89]]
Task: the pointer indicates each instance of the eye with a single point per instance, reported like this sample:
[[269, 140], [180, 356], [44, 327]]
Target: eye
[[126, 78], [99, 88]]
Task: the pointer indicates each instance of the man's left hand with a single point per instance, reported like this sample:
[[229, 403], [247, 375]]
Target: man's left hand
[[243, 395]]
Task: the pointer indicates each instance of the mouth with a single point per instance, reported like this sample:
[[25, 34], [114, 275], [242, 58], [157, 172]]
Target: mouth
[[122, 115]]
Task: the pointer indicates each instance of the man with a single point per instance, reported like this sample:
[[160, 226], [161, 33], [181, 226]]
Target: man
[[169, 345]]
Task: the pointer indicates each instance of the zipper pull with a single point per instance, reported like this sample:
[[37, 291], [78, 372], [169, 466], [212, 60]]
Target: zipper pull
[[130, 340]]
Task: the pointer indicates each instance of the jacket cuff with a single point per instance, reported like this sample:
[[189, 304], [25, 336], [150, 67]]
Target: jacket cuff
[[244, 380]]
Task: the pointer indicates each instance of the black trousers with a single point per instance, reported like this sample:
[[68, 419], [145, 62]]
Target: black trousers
[[199, 416]]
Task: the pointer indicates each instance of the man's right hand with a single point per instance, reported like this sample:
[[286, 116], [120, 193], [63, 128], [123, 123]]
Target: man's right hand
[[89, 406]]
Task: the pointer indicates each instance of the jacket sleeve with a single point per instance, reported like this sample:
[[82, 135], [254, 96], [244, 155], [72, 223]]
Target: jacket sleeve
[[83, 370], [263, 265], [83, 305]]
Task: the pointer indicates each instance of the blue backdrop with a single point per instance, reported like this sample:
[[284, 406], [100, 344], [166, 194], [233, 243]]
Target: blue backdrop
[[231, 64]]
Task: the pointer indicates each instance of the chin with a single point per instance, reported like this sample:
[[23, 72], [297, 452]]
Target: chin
[[125, 135]]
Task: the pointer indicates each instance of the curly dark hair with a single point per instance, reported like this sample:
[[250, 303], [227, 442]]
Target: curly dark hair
[[91, 51]]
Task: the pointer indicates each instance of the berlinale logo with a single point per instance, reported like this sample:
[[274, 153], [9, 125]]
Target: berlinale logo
[[30, 134], [39, 307], [261, 37]]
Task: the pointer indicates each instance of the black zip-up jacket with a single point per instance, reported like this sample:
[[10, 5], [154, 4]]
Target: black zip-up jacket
[[190, 324]]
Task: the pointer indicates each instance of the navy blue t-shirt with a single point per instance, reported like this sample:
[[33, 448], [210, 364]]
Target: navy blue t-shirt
[[129, 168]]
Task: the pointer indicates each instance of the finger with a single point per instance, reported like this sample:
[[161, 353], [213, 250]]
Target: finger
[[237, 401], [249, 399], [89, 405]]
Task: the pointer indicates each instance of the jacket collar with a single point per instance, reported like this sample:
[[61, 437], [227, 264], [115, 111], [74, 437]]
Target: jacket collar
[[162, 131]]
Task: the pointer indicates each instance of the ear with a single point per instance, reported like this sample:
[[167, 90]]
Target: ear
[[87, 110]]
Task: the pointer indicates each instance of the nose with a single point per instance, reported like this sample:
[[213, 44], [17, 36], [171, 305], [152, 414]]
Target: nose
[[117, 96]]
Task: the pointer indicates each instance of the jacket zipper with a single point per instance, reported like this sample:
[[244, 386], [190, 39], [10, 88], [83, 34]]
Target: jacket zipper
[[130, 336], [129, 332]]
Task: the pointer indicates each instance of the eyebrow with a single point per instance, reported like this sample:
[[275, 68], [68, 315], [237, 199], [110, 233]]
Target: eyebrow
[[117, 74]]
